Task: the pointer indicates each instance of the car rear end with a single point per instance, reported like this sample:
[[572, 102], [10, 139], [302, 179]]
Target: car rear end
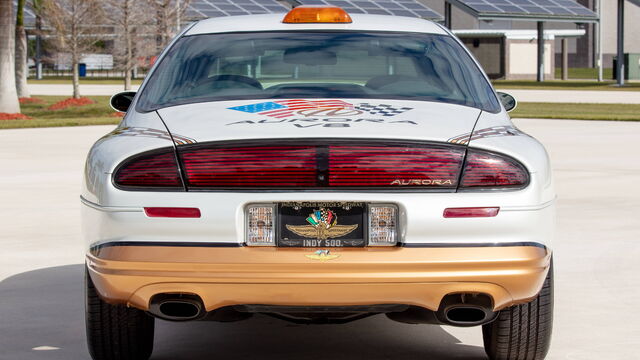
[[318, 208]]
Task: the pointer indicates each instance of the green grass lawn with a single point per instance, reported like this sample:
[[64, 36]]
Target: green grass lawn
[[100, 113], [617, 112], [585, 73], [94, 114], [565, 85]]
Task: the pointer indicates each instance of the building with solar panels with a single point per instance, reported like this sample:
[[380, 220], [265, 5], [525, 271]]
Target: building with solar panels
[[501, 33], [582, 49]]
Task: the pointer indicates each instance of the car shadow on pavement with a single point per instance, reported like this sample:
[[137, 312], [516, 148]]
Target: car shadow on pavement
[[43, 309]]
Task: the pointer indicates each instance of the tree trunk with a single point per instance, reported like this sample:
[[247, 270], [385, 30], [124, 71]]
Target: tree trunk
[[21, 53], [127, 80], [8, 94], [21, 63], [128, 44], [76, 79]]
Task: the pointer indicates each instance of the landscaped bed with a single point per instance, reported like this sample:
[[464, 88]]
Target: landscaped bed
[[93, 110], [99, 113]]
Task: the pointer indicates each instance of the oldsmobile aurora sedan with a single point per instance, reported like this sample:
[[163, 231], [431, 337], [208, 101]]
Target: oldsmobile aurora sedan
[[322, 167]]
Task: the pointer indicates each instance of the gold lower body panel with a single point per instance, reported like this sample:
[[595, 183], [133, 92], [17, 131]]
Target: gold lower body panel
[[286, 276]]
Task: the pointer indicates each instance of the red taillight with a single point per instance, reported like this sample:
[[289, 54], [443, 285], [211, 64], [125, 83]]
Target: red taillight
[[255, 166], [394, 166], [471, 212], [156, 170], [172, 212], [487, 170], [322, 166]]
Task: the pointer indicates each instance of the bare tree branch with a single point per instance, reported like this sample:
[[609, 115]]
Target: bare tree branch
[[71, 20], [129, 20], [168, 19]]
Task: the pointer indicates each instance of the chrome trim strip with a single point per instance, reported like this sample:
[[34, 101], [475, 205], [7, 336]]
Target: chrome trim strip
[[472, 245], [109, 208], [102, 245], [529, 208]]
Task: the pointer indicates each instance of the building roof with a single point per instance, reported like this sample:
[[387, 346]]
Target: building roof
[[547, 10]]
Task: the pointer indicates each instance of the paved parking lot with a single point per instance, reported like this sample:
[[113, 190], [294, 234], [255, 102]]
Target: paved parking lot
[[596, 259]]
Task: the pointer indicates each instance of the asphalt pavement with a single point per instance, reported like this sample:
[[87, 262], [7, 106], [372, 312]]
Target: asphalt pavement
[[596, 261], [552, 96]]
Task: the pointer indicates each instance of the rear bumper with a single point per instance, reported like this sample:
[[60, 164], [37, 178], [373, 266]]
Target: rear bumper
[[222, 276]]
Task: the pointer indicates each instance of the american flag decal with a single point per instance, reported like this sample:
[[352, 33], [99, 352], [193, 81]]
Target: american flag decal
[[285, 108], [495, 131]]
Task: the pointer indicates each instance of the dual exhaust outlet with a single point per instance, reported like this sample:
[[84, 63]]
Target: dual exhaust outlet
[[177, 307], [462, 310]]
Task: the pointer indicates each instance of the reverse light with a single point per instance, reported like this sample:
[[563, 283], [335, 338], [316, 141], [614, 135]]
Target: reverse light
[[260, 229], [383, 225], [172, 212], [316, 14], [471, 212]]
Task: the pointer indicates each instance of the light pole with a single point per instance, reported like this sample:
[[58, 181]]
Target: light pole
[[620, 63], [598, 35], [541, 51]]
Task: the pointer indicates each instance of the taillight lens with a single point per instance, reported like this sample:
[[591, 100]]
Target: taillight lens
[[322, 165], [401, 166], [156, 170], [488, 171], [246, 167]]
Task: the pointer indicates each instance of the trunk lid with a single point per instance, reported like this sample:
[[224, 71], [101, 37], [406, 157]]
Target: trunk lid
[[319, 118]]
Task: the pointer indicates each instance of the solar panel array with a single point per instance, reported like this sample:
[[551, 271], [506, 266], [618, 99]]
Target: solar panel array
[[527, 9], [215, 8], [410, 8]]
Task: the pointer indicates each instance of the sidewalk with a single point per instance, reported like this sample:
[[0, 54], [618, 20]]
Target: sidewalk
[[551, 96]]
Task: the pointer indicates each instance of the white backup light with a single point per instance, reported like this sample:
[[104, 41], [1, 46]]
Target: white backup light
[[383, 225], [260, 225]]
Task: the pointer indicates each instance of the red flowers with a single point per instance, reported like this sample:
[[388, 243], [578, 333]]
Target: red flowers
[[70, 102]]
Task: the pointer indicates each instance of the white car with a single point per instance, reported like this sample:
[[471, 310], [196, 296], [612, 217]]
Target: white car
[[319, 167]]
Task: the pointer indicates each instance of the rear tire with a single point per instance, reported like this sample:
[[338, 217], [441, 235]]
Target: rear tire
[[522, 332], [116, 332]]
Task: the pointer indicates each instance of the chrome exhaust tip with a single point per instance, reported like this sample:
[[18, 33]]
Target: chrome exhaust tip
[[465, 310], [177, 307]]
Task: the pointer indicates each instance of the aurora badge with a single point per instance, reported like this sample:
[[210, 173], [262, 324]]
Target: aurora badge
[[323, 224]]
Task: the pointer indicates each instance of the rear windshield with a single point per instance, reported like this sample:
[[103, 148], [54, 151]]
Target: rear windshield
[[274, 65]]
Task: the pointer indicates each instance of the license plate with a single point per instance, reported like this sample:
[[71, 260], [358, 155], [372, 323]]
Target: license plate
[[321, 224]]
